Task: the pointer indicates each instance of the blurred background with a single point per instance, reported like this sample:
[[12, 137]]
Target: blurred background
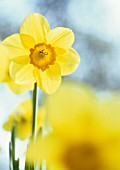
[[96, 25]]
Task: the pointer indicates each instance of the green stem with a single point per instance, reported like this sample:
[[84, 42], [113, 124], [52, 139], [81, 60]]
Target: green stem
[[27, 166], [34, 117], [34, 111], [10, 157], [13, 147], [14, 164], [40, 166]]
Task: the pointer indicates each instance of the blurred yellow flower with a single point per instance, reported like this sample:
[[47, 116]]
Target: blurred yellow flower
[[22, 118], [5, 73], [41, 55], [85, 131]]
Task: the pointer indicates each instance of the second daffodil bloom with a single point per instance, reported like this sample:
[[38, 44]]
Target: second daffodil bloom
[[41, 55], [5, 74], [85, 131], [21, 117]]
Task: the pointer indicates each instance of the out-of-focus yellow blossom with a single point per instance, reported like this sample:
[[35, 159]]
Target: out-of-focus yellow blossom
[[41, 55], [5, 73], [21, 117], [86, 131]]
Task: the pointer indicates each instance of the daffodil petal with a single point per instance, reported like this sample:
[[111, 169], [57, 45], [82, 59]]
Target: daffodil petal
[[50, 79], [22, 74], [4, 64], [8, 124], [60, 51], [21, 60], [68, 62], [25, 75], [15, 46], [27, 41], [23, 130], [36, 26], [61, 37], [13, 69], [41, 117], [18, 88]]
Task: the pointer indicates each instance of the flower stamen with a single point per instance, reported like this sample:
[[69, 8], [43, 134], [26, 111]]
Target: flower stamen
[[42, 55]]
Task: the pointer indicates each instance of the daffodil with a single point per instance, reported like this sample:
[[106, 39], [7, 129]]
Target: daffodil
[[21, 117], [85, 131], [41, 55], [5, 73]]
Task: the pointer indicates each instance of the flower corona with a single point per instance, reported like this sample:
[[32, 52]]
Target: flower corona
[[42, 56]]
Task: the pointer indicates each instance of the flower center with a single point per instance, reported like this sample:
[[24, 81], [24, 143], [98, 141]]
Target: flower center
[[83, 157], [42, 56], [19, 117]]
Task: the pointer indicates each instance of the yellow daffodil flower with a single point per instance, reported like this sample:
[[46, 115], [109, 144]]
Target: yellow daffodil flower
[[85, 131], [5, 73], [41, 55], [21, 117]]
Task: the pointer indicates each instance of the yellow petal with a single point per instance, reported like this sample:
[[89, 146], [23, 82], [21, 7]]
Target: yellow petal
[[23, 131], [61, 37], [22, 116], [15, 47], [27, 41], [50, 150], [41, 117], [27, 107], [110, 111], [68, 62], [4, 64], [25, 111], [50, 79], [21, 60], [17, 88], [13, 69], [22, 74], [9, 123], [60, 51], [36, 26]]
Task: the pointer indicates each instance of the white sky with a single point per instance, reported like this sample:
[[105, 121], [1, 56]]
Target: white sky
[[16, 10], [101, 16], [97, 16]]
